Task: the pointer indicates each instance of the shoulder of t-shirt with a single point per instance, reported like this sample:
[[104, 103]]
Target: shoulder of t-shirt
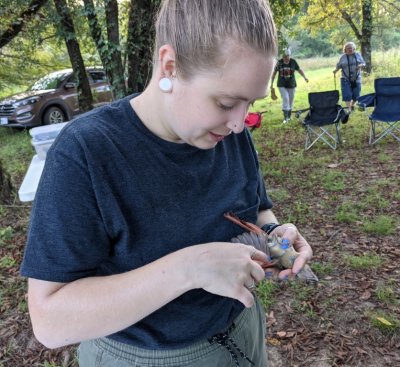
[[295, 64], [92, 122]]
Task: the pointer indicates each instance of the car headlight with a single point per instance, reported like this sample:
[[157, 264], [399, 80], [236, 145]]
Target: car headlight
[[26, 101]]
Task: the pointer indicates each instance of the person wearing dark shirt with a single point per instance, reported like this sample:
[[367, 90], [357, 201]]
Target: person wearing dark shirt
[[285, 69], [129, 252]]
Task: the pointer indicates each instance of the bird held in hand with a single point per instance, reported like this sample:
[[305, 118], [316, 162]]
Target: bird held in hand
[[280, 251]]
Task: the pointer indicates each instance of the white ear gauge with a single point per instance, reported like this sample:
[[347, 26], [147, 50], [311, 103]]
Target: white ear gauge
[[165, 84]]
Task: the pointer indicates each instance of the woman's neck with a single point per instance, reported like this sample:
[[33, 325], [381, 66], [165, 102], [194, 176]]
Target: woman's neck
[[148, 107]]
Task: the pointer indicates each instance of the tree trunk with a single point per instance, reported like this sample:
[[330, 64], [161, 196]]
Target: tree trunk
[[98, 38], [140, 39], [6, 188], [15, 27], [366, 34], [85, 98], [114, 50]]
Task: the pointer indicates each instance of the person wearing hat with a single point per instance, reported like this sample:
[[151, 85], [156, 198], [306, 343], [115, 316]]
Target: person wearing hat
[[286, 68]]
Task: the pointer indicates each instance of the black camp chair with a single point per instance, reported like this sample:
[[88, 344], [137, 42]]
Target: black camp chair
[[323, 119], [385, 117]]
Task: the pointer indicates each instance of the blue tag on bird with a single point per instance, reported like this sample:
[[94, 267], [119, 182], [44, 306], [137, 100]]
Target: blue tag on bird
[[285, 244]]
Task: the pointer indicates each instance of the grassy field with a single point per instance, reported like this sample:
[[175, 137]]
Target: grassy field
[[345, 202]]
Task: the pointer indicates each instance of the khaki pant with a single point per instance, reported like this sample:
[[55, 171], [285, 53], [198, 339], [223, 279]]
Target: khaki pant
[[248, 334]]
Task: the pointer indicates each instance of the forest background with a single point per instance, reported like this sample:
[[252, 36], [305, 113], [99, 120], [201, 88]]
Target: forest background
[[39, 36]]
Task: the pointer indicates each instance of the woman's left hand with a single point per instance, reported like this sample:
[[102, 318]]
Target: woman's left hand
[[290, 232]]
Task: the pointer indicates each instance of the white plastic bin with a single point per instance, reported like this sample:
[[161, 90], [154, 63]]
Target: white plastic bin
[[42, 147], [43, 137], [30, 183], [46, 132]]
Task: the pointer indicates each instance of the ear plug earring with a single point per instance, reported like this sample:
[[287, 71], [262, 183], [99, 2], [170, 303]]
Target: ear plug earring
[[165, 84]]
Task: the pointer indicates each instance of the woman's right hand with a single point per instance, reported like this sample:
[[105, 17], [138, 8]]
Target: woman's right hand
[[225, 269]]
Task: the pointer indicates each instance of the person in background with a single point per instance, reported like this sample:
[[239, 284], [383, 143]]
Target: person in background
[[351, 64], [128, 251], [286, 68]]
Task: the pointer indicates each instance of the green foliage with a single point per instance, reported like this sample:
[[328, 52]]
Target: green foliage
[[306, 45], [32, 53], [386, 64]]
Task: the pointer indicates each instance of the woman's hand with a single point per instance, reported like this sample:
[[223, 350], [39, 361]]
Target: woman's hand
[[226, 269], [289, 231]]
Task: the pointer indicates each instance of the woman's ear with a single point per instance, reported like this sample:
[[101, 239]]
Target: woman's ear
[[166, 57]]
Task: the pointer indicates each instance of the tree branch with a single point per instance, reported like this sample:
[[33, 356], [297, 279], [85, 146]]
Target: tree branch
[[15, 27], [392, 5], [347, 17]]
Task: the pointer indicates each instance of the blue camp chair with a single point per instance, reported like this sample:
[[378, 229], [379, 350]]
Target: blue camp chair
[[323, 119], [385, 117]]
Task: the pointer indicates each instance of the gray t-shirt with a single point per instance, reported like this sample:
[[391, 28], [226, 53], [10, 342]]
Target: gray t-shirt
[[114, 197], [348, 64]]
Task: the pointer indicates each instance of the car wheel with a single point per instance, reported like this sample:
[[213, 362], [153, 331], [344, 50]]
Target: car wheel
[[53, 115]]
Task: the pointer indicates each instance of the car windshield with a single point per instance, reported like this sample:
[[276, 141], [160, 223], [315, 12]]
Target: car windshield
[[50, 81]]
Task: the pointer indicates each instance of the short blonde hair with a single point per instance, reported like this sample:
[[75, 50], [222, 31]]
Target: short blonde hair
[[198, 29], [352, 44]]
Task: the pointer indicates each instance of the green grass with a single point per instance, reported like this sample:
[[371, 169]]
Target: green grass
[[16, 151], [375, 199], [322, 269], [386, 323], [6, 234], [266, 291], [382, 225], [366, 261], [334, 181], [7, 262], [301, 294], [386, 292], [347, 212]]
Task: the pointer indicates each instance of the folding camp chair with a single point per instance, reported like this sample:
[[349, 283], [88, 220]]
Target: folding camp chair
[[253, 120], [385, 117], [323, 119]]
